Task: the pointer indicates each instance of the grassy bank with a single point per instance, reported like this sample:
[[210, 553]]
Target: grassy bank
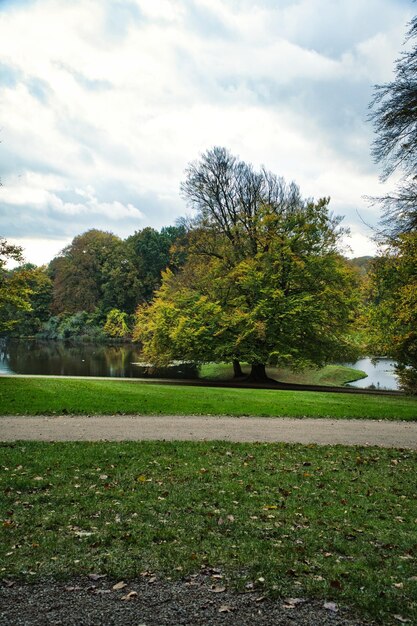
[[330, 375], [38, 396], [330, 522]]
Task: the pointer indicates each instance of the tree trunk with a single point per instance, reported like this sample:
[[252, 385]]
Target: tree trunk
[[258, 373], [237, 369]]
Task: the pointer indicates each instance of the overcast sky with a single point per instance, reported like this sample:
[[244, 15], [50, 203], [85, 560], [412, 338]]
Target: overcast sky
[[104, 102]]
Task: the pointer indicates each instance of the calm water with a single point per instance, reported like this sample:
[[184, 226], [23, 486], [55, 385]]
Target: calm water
[[66, 359], [381, 374]]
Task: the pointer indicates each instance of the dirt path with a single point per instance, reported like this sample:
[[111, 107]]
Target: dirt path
[[193, 428]]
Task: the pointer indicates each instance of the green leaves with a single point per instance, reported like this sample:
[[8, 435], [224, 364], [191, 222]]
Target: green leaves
[[392, 308]]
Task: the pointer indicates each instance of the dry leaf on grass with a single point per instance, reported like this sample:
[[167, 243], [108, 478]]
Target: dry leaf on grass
[[120, 585], [129, 596]]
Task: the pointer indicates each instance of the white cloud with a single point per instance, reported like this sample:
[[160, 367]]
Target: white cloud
[[98, 128], [38, 251]]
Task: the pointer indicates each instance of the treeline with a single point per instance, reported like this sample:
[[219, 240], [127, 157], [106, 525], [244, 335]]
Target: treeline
[[91, 290]]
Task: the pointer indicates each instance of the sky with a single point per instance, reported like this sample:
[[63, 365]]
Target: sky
[[103, 103]]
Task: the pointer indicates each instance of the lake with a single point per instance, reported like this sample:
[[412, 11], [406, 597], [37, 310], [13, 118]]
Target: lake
[[381, 373], [71, 359], [123, 361]]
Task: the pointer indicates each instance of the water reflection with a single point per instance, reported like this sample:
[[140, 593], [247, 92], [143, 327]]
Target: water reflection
[[125, 360], [66, 359]]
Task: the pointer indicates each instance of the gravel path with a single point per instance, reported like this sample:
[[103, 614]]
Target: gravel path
[[190, 602], [193, 428]]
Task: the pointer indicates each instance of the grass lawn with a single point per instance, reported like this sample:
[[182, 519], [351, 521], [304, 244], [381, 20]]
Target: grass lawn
[[328, 522], [330, 375], [38, 396]]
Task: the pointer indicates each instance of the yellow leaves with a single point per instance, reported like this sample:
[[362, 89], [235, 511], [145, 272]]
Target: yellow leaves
[[141, 479]]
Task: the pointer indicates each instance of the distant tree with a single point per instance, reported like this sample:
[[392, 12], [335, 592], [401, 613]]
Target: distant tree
[[263, 282], [152, 252], [394, 114], [116, 324], [362, 264], [121, 285], [29, 322], [14, 288], [80, 272]]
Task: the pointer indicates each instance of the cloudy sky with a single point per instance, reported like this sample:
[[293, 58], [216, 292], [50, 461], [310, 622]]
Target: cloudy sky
[[104, 102]]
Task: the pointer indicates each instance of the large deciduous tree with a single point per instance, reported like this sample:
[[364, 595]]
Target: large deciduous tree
[[392, 315], [263, 283], [394, 114], [392, 321]]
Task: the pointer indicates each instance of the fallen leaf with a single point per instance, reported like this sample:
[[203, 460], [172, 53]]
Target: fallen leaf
[[225, 608], [260, 599], [218, 589], [398, 585], [152, 580], [336, 584], [129, 596], [96, 576], [120, 585], [330, 606], [402, 619]]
